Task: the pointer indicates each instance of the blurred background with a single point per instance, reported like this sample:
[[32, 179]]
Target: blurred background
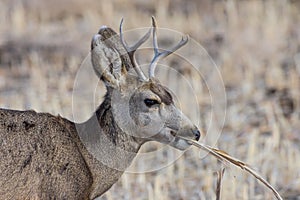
[[255, 44]]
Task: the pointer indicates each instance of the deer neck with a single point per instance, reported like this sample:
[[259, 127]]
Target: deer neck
[[107, 149], [106, 141], [119, 138]]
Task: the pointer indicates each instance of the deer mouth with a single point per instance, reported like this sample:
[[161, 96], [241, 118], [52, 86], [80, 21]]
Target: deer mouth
[[171, 137], [179, 143], [178, 140]]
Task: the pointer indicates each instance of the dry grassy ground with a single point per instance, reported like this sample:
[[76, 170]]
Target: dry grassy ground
[[256, 45]]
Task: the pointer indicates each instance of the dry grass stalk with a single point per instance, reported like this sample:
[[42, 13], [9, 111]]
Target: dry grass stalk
[[224, 157], [220, 174]]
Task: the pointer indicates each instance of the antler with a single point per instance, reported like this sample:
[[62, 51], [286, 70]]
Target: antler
[[159, 55], [131, 50]]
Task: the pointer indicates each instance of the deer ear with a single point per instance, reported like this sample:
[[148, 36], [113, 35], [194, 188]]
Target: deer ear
[[106, 59]]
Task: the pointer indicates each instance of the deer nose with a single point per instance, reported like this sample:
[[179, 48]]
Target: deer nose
[[197, 134]]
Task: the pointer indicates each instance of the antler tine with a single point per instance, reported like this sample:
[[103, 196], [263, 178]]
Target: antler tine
[[131, 50], [159, 55], [122, 36]]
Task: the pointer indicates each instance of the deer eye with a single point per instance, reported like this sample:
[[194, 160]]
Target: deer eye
[[151, 102]]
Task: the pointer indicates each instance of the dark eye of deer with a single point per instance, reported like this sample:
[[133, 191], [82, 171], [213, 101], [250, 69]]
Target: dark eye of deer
[[150, 102]]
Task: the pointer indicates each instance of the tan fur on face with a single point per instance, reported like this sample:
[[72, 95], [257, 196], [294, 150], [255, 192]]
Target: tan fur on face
[[162, 92], [157, 88]]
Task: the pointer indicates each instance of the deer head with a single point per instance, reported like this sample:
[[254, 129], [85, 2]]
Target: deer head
[[142, 106]]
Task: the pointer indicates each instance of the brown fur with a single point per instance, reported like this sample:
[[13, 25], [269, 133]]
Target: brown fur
[[40, 157]]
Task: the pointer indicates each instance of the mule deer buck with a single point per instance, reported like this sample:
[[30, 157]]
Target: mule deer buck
[[49, 157]]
